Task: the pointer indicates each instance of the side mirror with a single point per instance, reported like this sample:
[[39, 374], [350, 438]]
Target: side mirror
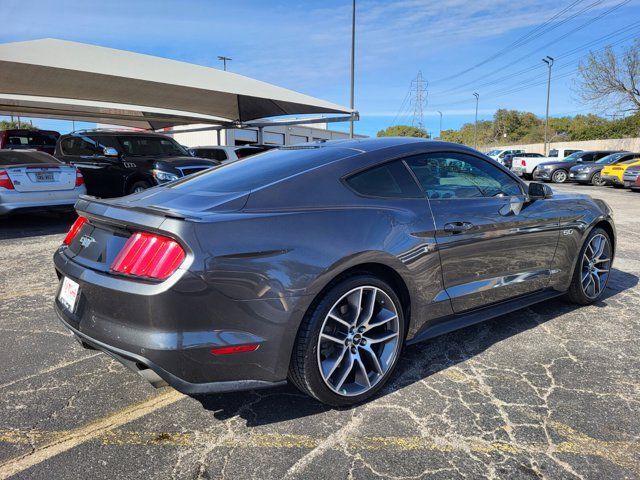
[[110, 152], [539, 191]]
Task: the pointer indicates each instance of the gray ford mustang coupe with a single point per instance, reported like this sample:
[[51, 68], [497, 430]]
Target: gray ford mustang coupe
[[317, 263]]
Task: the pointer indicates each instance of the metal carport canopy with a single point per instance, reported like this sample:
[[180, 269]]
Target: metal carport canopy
[[69, 80]]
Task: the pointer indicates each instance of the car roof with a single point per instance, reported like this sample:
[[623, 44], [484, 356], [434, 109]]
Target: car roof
[[27, 130], [118, 133]]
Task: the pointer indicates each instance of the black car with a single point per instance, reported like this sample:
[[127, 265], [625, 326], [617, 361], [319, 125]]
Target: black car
[[558, 171], [117, 163], [507, 160], [318, 264], [590, 172]]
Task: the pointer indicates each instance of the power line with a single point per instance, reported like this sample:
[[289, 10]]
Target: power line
[[563, 55], [540, 30]]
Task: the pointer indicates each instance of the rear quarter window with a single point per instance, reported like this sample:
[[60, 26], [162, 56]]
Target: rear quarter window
[[390, 180]]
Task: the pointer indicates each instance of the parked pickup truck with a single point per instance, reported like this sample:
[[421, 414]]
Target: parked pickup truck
[[525, 166]]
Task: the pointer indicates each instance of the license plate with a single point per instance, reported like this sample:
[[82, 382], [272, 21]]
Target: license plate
[[44, 177], [68, 295]]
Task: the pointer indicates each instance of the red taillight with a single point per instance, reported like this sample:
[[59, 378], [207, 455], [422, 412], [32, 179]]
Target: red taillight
[[148, 255], [5, 181], [73, 231], [234, 349], [79, 178], [523, 163]]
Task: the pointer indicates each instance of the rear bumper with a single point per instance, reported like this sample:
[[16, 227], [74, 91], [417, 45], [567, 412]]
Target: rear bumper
[[611, 180], [167, 331], [11, 201]]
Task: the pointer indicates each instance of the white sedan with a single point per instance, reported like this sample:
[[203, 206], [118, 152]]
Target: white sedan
[[34, 180]]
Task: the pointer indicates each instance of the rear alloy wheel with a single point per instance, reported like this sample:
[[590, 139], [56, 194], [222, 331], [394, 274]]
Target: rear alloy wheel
[[592, 271], [597, 180], [559, 176], [350, 343]]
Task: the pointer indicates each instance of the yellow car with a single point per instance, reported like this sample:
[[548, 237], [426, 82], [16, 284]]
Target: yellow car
[[612, 174]]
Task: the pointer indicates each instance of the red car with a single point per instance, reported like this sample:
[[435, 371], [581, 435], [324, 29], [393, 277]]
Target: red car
[[19, 139]]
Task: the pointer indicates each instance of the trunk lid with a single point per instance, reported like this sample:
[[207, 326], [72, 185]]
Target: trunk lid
[[42, 178]]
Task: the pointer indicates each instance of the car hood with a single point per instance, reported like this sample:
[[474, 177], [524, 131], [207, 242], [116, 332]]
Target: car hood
[[185, 162], [557, 164]]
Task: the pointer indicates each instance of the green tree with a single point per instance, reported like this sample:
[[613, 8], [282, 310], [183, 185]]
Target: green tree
[[12, 124], [403, 131]]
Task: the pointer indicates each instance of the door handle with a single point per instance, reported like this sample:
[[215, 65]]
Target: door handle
[[457, 227]]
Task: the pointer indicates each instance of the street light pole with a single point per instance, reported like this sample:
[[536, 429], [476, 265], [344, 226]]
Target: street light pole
[[224, 61], [353, 55], [440, 129], [549, 61], [475, 127]]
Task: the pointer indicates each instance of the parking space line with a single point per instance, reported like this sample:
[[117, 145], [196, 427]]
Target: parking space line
[[60, 442], [53, 368], [620, 453]]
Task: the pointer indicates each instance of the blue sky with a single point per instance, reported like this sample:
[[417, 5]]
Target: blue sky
[[305, 46]]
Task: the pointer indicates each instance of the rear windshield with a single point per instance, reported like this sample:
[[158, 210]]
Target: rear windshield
[[12, 157], [35, 139], [262, 169]]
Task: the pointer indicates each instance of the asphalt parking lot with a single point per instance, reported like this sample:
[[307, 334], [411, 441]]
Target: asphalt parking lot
[[551, 391]]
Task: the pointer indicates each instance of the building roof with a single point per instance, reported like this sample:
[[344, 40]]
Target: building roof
[[62, 79]]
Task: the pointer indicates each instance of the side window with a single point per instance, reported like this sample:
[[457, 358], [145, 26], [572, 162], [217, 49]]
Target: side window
[[389, 180], [456, 175], [81, 146], [588, 157]]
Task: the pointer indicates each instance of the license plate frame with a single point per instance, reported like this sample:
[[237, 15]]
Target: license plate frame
[[69, 294]]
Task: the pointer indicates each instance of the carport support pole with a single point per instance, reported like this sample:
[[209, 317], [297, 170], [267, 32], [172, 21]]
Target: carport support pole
[[549, 61], [353, 52], [260, 135]]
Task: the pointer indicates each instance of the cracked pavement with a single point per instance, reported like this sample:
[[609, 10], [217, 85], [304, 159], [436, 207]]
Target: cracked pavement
[[551, 391]]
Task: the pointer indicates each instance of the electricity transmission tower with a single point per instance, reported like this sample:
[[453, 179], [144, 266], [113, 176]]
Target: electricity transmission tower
[[419, 100]]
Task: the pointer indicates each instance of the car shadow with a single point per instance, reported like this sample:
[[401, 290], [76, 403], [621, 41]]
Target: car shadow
[[418, 361], [24, 225]]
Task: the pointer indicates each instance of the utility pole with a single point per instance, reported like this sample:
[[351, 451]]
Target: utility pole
[[440, 129], [224, 61], [353, 61], [475, 127], [549, 61]]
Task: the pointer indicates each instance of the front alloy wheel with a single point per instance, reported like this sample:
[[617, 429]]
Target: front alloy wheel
[[559, 176], [593, 268], [597, 180], [349, 342], [596, 263]]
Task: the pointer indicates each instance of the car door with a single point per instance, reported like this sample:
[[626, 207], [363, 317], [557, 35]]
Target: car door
[[493, 243], [100, 174]]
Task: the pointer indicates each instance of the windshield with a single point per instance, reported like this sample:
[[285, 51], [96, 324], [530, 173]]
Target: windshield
[[611, 158], [13, 157], [493, 152], [633, 160], [154, 146], [572, 157], [262, 169]]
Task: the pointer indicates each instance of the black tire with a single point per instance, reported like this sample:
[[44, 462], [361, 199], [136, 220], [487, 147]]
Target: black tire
[[304, 371], [560, 176], [596, 180], [576, 293], [138, 186]]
